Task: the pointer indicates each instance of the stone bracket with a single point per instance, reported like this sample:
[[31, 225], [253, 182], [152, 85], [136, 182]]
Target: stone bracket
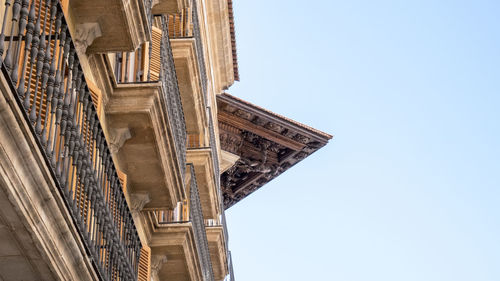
[[86, 33]]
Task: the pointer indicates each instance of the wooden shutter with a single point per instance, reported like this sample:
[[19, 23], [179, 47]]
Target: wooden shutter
[[96, 95], [185, 210], [155, 63], [123, 180], [178, 24], [144, 271]]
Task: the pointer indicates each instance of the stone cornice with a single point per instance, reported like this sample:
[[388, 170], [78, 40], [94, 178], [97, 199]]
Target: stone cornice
[[267, 143]]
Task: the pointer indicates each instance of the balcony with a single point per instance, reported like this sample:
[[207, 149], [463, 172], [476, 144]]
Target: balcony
[[169, 6], [206, 163], [123, 29], [146, 116], [180, 235], [202, 158], [203, 154], [41, 69], [217, 242], [230, 276], [185, 37]]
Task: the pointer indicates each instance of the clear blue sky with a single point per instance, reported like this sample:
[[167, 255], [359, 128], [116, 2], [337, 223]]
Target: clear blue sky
[[409, 188]]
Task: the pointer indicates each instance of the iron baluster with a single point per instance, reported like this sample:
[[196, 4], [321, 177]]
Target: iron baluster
[[39, 69], [29, 35], [51, 75], [20, 33], [15, 18], [2, 34], [51, 89], [58, 91], [33, 57]]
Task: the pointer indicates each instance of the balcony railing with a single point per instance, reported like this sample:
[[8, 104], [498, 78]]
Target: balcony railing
[[179, 24], [40, 62], [230, 276], [187, 25], [195, 142], [148, 6], [213, 146], [199, 50], [153, 62], [180, 214], [196, 215]]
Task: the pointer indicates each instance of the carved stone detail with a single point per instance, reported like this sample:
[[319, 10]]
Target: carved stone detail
[[138, 201], [243, 114], [86, 33], [231, 142], [263, 155], [274, 127], [301, 138], [117, 138], [157, 262]]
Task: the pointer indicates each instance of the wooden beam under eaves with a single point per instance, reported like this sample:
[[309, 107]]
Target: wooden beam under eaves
[[259, 130]]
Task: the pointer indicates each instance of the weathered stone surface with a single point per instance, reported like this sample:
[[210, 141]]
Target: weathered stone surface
[[38, 238], [123, 24], [147, 153]]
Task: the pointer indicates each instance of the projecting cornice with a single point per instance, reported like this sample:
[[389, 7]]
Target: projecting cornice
[[267, 143]]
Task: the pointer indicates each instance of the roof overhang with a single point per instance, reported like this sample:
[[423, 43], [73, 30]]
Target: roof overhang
[[267, 145]]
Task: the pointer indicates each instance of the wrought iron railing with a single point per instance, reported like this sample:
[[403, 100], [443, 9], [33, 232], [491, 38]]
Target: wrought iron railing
[[179, 24], [187, 25], [154, 62], [171, 89], [199, 51], [40, 62], [148, 5], [230, 276], [213, 146], [195, 214], [195, 142]]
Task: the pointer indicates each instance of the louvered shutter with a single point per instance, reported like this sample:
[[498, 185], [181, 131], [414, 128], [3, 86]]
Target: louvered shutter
[[144, 272], [185, 210], [95, 94], [123, 180], [155, 63], [178, 24], [122, 177]]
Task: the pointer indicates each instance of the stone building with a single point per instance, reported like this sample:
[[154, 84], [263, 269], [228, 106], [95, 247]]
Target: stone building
[[119, 149]]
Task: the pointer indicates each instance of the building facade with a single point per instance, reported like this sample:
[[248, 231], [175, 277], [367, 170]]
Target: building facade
[[119, 149]]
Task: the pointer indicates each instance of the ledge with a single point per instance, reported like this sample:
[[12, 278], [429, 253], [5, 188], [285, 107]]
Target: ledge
[[203, 165], [32, 212], [123, 29], [221, 48], [147, 154], [176, 242], [169, 6], [216, 244], [188, 76]]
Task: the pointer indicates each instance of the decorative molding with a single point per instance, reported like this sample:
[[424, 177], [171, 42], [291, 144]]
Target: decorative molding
[[117, 138], [267, 145], [138, 201], [157, 262], [86, 33]]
